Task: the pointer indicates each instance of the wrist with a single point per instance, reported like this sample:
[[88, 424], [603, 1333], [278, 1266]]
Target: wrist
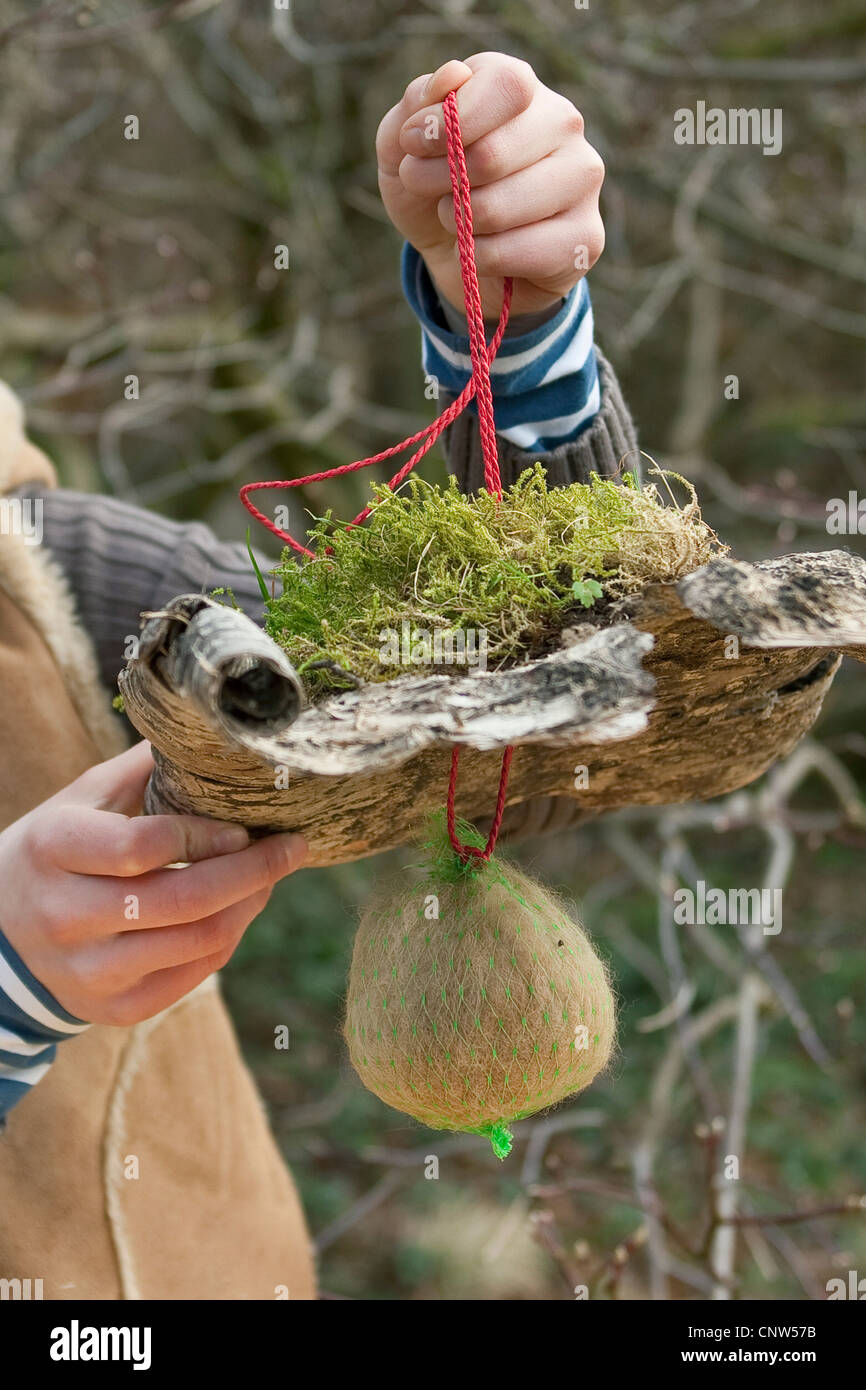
[[545, 380], [517, 326], [445, 329]]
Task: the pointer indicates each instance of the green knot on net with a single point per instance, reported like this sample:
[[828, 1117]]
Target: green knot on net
[[500, 1137], [443, 865]]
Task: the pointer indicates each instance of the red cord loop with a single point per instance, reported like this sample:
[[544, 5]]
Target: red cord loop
[[481, 355], [466, 852]]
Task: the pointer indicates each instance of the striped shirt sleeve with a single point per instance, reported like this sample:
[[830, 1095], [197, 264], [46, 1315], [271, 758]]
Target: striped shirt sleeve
[[32, 1023], [546, 390]]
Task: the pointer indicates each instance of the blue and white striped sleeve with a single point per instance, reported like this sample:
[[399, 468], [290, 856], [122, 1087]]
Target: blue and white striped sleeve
[[545, 382], [32, 1023]]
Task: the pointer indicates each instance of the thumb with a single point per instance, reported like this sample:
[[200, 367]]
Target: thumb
[[445, 79], [115, 785]]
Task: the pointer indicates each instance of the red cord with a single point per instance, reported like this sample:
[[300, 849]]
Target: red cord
[[466, 852], [472, 295], [433, 431], [481, 354]]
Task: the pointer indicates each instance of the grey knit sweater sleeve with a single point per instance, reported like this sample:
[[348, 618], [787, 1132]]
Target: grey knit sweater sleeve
[[120, 560]]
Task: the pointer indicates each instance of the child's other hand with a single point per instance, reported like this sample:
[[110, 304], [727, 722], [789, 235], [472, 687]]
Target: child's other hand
[[535, 181], [96, 916]]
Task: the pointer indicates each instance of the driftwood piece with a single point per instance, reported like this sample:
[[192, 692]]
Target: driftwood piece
[[662, 707]]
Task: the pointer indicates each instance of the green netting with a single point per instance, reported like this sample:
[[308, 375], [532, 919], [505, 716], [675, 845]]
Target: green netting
[[474, 1000]]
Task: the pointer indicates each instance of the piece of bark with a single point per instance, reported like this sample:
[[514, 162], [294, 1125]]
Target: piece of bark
[[656, 708], [224, 664]]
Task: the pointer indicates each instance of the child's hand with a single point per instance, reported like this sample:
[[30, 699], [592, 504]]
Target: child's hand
[[535, 181], [97, 918]]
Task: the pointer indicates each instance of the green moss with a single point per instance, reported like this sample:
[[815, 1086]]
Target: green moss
[[518, 570]]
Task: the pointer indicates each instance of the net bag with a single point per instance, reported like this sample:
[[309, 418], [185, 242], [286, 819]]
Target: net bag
[[474, 1000]]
